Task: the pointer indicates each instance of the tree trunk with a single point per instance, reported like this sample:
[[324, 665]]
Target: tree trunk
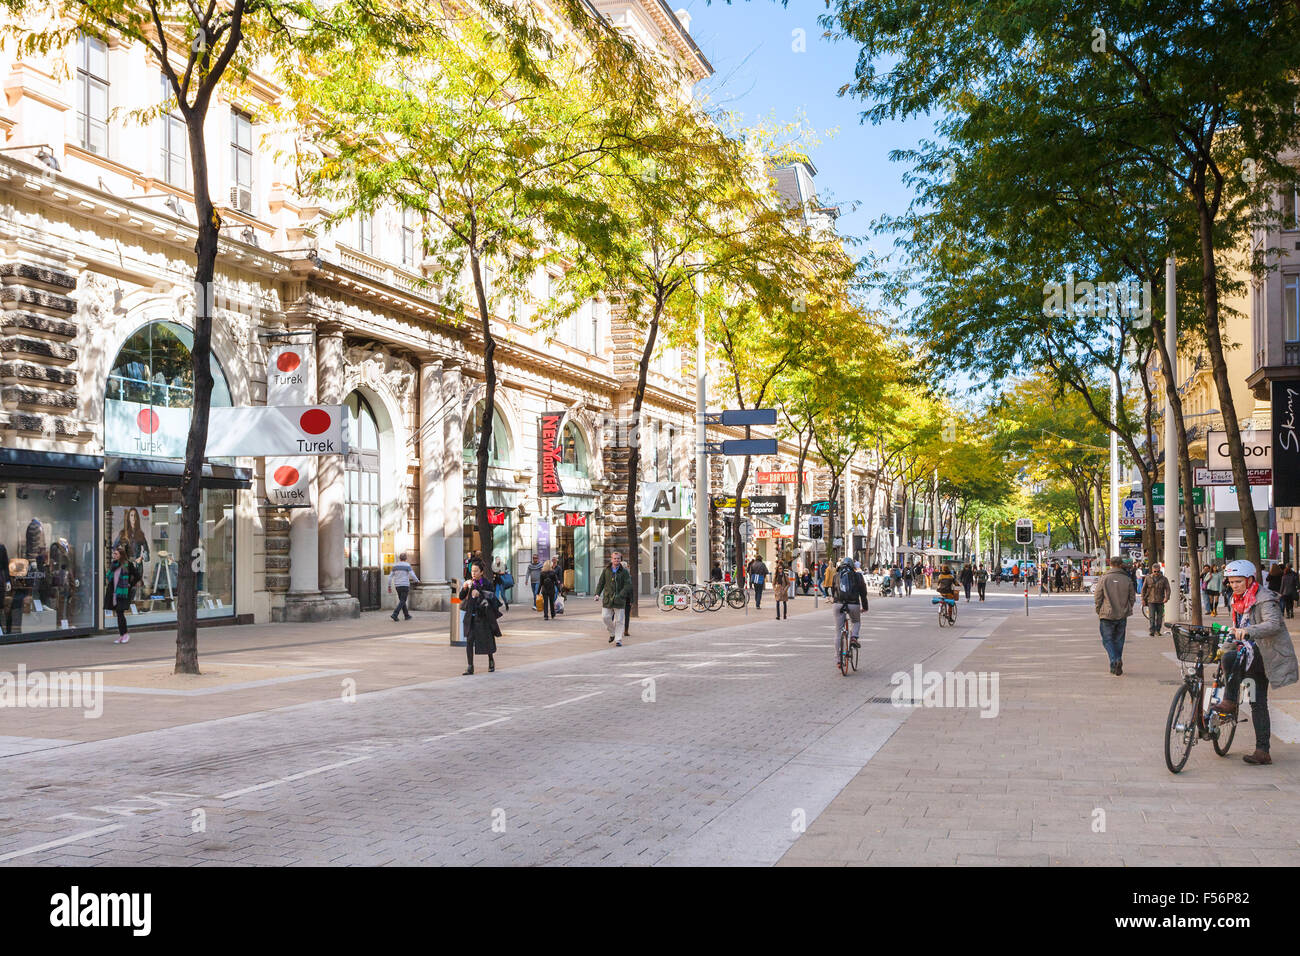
[[489, 406], [798, 493], [634, 461], [1219, 370], [192, 558]]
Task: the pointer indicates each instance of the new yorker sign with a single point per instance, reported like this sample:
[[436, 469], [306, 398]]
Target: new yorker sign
[[550, 452]]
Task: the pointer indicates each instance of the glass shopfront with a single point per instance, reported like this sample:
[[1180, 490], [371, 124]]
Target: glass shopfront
[[146, 520], [47, 557]]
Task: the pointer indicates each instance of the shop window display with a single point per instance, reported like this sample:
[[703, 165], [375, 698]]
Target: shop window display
[[47, 561], [146, 521]]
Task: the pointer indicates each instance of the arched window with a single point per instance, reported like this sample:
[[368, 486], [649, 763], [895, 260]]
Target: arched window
[[361, 466], [576, 463], [499, 454], [151, 391]]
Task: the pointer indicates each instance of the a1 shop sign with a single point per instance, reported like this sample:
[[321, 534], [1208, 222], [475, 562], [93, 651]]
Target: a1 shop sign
[[287, 375], [288, 482], [277, 430]]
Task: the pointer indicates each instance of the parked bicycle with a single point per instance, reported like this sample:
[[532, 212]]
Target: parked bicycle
[[675, 596], [1191, 716]]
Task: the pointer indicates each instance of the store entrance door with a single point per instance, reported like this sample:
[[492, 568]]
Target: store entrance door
[[571, 543]]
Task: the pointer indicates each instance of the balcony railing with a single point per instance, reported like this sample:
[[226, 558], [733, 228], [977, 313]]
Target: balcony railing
[[1291, 353]]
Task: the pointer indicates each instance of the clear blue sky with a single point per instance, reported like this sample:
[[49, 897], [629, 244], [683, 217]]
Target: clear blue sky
[[759, 74]]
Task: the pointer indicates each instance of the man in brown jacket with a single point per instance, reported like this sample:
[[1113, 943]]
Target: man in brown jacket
[[1155, 594], [1113, 596]]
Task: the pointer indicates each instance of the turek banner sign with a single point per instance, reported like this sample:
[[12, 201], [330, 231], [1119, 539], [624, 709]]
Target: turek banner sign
[[277, 430]]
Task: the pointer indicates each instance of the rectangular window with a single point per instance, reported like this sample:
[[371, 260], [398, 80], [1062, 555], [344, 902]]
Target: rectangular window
[[1290, 207], [241, 161], [1291, 308], [92, 94], [668, 455], [595, 328], [408, 238], [365, 233], [175, 145]]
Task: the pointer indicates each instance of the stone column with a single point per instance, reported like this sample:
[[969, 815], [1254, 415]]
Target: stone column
[[432, 592], [453, 475], [330, 491]]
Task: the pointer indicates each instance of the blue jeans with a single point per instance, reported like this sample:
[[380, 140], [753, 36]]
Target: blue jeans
[[1112, 638]]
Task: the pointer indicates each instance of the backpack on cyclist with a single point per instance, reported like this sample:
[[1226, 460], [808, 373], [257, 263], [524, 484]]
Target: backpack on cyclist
[[844, 582]]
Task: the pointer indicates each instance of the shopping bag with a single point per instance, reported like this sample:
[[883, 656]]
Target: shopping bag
[[559, 605], [540, 601]]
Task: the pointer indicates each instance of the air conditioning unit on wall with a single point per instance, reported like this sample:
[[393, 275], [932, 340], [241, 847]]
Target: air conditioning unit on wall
[[241, 199]]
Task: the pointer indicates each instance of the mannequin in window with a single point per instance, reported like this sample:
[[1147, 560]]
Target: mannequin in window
[[63, 577], [37, 560], [6, 590]]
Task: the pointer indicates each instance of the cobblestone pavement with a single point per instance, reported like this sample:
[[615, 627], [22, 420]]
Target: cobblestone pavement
[[1070, 772], [710, 747]]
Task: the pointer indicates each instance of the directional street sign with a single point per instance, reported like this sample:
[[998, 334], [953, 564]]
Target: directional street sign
[[742, 416], [744, 446]]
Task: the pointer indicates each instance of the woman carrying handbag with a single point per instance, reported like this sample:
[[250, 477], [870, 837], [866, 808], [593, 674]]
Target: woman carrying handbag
[[120, 580], [479, 602]]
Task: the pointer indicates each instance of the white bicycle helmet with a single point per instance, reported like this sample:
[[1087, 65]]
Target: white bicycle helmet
[[1239, 569]]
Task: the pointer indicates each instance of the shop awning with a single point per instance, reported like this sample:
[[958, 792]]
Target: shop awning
[[167, 473], [24, 464]]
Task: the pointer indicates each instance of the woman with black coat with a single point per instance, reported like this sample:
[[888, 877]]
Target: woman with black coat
[[120, 579], [479, 602], [549, 587]]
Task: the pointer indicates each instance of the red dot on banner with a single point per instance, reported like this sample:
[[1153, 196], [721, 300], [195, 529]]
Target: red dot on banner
[[288, 361], [314, 421], [286, 475], [144, 512], [147, 420]]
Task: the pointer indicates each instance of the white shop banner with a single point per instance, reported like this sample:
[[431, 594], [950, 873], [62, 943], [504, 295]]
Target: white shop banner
[[155, 431], [1225, 499], [288, 482], [1256, 446], [288, 375], [277, 430]]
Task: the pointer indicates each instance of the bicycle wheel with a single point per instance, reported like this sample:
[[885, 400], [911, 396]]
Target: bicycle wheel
[[701, 600], [1226, 728], [843, 661], [853, 655], [737, 598], [943, 615], [1180, 729]]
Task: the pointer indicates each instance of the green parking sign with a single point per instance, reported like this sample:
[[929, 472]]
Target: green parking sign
[[1158, 494], [1218, 549]]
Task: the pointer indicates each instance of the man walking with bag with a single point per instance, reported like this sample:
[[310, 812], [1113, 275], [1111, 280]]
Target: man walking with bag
[[1155, 595], [614, 592], [402, 577], [758, 579], [1113, 597]]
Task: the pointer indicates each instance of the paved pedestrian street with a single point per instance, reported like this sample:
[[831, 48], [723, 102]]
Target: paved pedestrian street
[[724, 738]]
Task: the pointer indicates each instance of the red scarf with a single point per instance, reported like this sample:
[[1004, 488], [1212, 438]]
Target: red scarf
[[1242, 603]]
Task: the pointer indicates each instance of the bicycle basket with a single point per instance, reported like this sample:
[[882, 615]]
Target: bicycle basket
[[1194, 642]]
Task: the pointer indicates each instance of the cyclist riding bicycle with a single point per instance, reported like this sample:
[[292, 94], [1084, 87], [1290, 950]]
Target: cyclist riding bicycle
[[849, 594], [946, 585]]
